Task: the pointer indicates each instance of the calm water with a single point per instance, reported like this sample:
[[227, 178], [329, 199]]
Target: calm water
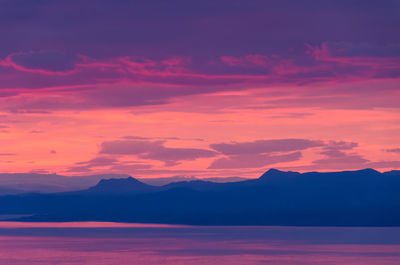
[[111, 243]]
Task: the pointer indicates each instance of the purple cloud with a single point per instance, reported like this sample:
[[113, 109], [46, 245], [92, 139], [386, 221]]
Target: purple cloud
[[126, 81], [252, 160], [91, 69], [384, 164], [342, 160], [339, 155], [333, 151], [172, 156], [35, 131], [340, 145], [393, 150], [7, 154], [154, 150], [111, 163], [260, 153], [99, 161], [335, 157], [124, 26], [265, 146]]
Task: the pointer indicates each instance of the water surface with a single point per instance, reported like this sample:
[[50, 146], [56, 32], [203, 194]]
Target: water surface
[[119, 243]]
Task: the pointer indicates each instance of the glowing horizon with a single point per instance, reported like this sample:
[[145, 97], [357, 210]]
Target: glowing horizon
[[154, 89]]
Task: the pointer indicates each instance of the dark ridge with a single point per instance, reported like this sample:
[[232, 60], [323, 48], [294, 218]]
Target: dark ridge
[[275, 173], [120, 186], [348, 198]]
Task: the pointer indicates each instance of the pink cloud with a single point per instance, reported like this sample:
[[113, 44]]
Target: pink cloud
[[47, 81], [42, 62], [182, 70], [362, 65]]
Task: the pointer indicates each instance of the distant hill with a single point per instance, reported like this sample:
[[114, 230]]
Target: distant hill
[[18, 183], [166, 180], [348, 198], [127, 185]]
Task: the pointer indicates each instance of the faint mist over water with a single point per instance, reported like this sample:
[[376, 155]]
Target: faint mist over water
[[120, 243]]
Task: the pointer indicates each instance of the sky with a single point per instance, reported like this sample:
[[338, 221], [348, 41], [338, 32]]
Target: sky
[[206, 88]]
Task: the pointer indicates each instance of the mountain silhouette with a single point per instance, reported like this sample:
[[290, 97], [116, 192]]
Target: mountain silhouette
[[18, 183], [348, 198], [120, 186]]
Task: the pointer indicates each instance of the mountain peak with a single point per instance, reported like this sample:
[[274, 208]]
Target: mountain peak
[[271, 173], [273, 170], [120, 185], [128, 180], [369, 171]]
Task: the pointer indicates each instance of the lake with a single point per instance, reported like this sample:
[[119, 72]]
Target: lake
[[118, 243]]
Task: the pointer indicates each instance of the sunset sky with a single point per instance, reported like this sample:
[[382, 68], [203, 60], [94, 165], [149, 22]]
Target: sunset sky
[[206, 88]]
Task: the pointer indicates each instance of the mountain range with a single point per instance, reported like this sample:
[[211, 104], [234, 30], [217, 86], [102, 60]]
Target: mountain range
[[348, 198], [18, 183]]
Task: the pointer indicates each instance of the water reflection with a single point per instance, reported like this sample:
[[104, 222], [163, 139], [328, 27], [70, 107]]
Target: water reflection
[[111, 243]]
